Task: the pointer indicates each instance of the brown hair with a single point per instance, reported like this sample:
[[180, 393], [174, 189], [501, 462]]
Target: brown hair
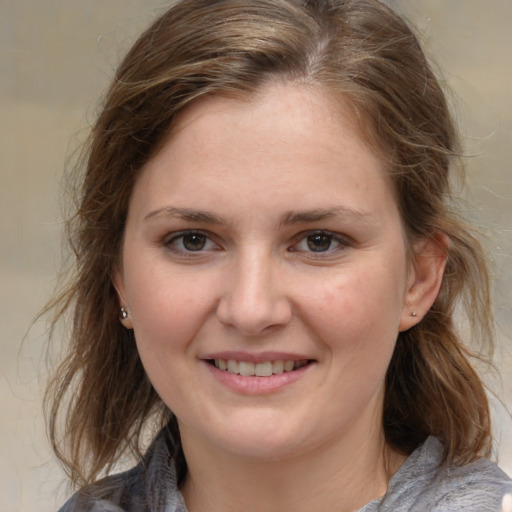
[[359, 51]]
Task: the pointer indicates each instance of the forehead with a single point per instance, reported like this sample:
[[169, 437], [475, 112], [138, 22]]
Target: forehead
[[288, 140], [308, 117], [295, 101]]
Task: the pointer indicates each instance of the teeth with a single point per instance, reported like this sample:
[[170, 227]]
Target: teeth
[[232, 366], [265, 369], [245, 368], [278, 367], [289, 366]]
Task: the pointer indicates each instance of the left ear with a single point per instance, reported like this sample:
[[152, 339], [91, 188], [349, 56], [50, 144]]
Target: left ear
[[425, 278]]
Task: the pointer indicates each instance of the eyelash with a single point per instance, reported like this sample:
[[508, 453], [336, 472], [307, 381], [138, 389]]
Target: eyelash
[[171, 242], [342, 243], [303, 238]]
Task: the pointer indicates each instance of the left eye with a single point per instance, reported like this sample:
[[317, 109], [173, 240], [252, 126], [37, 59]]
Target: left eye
[[318, 241], [191, 241]]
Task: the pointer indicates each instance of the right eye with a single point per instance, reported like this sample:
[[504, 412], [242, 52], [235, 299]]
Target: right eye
[[190, 241]]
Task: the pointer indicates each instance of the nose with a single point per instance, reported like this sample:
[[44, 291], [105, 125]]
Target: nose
[[254, 300]]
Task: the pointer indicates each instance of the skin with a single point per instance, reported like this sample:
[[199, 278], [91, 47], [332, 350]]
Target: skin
[[298, 248]]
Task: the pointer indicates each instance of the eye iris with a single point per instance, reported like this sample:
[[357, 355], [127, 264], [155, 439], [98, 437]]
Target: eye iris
[[319, 242], [194, 241]]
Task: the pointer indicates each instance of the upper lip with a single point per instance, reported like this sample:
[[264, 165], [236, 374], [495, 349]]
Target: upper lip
[[253, 357]]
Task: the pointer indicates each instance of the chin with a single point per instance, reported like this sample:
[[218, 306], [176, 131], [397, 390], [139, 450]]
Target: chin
[[256, 438], [270, 449]]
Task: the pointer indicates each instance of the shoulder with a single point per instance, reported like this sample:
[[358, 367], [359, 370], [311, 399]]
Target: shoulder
[[423, 485], [479, 487], [149, 486], [112, 494]]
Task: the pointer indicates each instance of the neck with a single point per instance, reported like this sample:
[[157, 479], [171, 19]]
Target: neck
[[333, 477]]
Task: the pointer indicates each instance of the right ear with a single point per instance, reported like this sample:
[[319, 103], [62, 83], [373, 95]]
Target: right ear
[[124, 309]]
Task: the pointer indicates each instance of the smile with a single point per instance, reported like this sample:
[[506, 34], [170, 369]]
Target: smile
[[262, 369]]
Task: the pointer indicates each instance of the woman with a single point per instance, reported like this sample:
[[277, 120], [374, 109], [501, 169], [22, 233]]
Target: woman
[[267, 270]]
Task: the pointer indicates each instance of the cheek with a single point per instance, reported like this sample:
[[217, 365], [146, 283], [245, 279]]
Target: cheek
[[167, 307], [358, 314], [168, 311], [373, 296]]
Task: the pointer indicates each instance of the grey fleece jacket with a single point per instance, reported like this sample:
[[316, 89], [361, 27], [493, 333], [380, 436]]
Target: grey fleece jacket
[[420, 485]]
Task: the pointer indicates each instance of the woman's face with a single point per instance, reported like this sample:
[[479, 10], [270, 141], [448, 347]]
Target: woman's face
[[264, 239]]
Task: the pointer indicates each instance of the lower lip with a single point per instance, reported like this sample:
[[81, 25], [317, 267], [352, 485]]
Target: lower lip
[[251, 385]]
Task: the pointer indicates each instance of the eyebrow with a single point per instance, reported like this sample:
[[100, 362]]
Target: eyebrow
[[188, 214], [289, 218], [338, 212]]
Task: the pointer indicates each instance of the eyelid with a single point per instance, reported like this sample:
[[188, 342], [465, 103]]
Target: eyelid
[[175, 236], [344, 242]]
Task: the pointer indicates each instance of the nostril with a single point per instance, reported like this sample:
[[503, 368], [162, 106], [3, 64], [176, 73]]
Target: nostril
[[254, 314]]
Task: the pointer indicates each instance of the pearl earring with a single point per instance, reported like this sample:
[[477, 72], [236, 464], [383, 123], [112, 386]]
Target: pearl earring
[[123, 313]]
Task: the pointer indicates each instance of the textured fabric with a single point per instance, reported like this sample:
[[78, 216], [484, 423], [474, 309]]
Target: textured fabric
[[420, 485], [151, 486]]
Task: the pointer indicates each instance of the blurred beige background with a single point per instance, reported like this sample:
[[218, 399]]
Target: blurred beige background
[[56, 57]]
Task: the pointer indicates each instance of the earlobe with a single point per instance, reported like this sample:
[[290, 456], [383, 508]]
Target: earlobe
[[425, 279], [124, 311]]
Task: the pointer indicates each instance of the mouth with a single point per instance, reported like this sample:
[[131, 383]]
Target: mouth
[[261, 369]]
